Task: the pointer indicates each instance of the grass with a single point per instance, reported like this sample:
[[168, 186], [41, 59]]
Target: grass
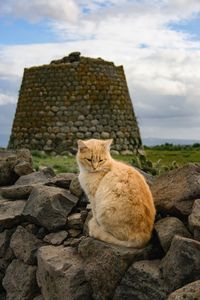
[[62, 164]]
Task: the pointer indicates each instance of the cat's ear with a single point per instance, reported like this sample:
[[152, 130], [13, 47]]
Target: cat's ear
[[108, 143], [81, 144]]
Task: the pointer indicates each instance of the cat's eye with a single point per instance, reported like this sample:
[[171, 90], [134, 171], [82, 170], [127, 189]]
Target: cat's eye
[[100, 160], [89, 159]]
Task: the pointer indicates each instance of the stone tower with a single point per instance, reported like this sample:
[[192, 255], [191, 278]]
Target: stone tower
[[74, 98]]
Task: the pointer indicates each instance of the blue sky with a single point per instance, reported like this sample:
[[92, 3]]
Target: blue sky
[[157, 42]]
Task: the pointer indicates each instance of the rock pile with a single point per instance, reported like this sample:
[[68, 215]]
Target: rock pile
[[45, 252]]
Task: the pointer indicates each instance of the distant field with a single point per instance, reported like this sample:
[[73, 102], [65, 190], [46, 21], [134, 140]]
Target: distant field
[[166, 157]]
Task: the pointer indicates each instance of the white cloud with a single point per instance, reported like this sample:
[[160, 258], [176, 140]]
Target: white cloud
[[7, 99], [36, 10], [162, 65]]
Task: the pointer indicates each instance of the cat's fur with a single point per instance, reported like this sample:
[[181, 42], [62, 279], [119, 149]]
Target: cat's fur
[[121, 201]]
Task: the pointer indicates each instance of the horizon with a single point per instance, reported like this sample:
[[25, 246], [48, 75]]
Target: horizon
[[158, 44]]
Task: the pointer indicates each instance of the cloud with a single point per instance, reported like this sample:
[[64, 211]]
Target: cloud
[[161, 64], [36, 10]]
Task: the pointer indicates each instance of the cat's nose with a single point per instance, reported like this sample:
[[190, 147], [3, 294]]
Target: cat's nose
[[95, 165]]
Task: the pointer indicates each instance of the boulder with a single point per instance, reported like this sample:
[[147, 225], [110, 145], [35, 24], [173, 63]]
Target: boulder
[[190, 291], [62, 180], [175, 191], [75, 187], [167, 228], [181, 265], [9, 160], [56, 238], [23, 168], [25, 245], [15, 192], [142, 281], [5, 241], [11, 213], [7, 174], [20, 281], [61, 274], [75, 220], [105, 264], [194, 220], [49, 206], [42, 176]]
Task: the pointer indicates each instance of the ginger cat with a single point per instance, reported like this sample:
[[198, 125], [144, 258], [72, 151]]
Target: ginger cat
[[122, 204]]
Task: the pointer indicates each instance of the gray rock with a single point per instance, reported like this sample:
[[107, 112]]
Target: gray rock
[[74, 232], [49, 206], [167, 228], [181, 265], [105, 264], [190, 291], [5, 241], [56, 238], [11, 212], [194, 220], [75, 221], [20, 281], [8, 161], [25, 245], [74, 242], [62, 180], [15, 192], [42, 176], [67, 265], [175, 191], [142, 281], [23, 168], [7, 174], [75, 187]]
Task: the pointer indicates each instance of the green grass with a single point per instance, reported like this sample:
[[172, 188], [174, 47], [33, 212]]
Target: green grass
[[62, 164]]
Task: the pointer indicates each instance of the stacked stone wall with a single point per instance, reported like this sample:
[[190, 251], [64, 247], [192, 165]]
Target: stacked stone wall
[[69, 100]]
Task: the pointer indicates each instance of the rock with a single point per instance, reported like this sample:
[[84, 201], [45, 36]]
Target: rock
[[7, 174], [167, 228], [42, 176], [15, 192], [175, 191], [49, 206], [25, 245], [11, 213], [142, 281], [5, 241], [75, 187], [56, 238], [181, 265], [62, 180], [114, 152], [190, 291], [126, 152], [20, 281], [74, 232], [61, 275], [194, 220], [23, 168], [75, 221], [74, 242], [105, 265], [8, 161]]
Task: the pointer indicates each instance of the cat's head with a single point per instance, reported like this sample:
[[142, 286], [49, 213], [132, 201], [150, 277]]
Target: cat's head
[[94, 155]]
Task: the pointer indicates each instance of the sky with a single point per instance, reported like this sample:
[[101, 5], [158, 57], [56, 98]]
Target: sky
[[157, 42]]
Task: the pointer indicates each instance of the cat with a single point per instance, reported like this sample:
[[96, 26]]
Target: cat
[[122, 205]]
